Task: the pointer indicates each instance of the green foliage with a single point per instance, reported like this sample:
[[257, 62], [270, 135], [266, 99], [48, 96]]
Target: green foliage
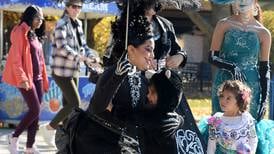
[[200, 107], [101, 34], [268, 21]]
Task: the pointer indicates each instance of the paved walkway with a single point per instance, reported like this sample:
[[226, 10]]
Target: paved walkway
[[42, 147]]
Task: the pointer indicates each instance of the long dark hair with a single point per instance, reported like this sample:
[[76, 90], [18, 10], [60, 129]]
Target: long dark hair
[[28, 16]]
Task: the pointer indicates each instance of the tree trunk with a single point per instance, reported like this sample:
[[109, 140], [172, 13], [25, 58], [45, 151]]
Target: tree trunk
[[219, 12], [202, 24]]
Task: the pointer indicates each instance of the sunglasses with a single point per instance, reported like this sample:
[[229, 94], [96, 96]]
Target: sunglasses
[[76, 7]]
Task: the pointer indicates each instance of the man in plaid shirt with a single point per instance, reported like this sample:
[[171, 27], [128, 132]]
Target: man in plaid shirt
[[69, 49]]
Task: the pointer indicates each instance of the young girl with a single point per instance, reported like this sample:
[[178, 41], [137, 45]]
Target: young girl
[[232, 131], [240, 49]]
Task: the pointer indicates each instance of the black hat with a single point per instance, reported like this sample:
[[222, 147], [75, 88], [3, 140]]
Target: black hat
[[169, 87]]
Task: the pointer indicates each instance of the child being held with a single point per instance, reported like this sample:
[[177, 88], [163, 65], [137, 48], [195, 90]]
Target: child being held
[[232, 131], [165, 130]]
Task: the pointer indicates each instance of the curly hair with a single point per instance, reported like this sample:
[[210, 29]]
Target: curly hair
[[241, 91]]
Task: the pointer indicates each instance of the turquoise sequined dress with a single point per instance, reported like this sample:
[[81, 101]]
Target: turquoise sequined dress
[[241, 48]]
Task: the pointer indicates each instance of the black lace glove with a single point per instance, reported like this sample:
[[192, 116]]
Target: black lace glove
[[214, 59], [171, 123], [123, 65], [264, 70]]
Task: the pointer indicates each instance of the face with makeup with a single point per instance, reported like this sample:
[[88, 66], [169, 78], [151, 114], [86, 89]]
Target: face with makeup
[[142, 55], [152, 95], [244, 6]]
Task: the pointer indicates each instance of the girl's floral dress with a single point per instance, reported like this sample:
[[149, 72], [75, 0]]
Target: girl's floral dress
[[231, 135]]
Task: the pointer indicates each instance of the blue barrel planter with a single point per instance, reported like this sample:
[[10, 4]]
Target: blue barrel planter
[[13, 107]]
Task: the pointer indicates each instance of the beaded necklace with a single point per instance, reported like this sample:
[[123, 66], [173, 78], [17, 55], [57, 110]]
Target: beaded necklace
[[135, 85]]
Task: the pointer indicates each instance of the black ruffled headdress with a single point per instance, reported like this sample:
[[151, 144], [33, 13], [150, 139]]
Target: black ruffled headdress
[[141, 5], [139, 30]]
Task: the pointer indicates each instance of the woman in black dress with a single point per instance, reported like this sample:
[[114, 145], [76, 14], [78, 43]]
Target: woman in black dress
[[112, 122]]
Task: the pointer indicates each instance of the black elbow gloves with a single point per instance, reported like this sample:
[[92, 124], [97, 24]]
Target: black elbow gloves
[[214, 59], [264, 71]]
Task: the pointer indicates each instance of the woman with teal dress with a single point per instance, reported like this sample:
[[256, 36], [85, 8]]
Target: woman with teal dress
[[240, 50]]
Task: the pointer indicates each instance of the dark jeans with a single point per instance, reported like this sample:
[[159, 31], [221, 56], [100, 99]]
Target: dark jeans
[[71, 98], [33, 98]]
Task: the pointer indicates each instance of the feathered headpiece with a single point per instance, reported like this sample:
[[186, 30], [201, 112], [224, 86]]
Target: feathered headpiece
[[141, 5], [139, 30]]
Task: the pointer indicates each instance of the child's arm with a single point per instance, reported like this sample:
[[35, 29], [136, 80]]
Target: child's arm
[[211, 147], [253, 139], [212, 138]]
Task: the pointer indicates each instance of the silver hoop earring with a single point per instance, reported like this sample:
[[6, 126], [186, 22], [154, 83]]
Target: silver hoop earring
[[236, 12]]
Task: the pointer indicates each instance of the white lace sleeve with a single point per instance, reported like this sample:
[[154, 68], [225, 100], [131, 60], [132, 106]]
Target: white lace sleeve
[[253, 139], [211, 147], [212, 139]]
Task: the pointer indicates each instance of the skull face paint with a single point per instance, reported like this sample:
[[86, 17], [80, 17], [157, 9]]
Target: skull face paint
[[243, 6]]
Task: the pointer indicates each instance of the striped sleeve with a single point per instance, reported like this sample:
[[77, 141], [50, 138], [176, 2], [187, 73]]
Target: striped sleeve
[[60, 35]]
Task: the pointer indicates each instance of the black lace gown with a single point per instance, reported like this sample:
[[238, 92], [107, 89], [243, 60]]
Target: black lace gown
[[93, 137], [130, 127]]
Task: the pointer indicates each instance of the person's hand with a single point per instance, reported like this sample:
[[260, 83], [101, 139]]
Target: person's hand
[[174, 61], [261, 111], [109, 107], [172, 123], [92, 60], [82, 58], [94, 63], [25, 85], [123, 65], [157, 65], [237, 74], [46, 90], [95, 69]]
